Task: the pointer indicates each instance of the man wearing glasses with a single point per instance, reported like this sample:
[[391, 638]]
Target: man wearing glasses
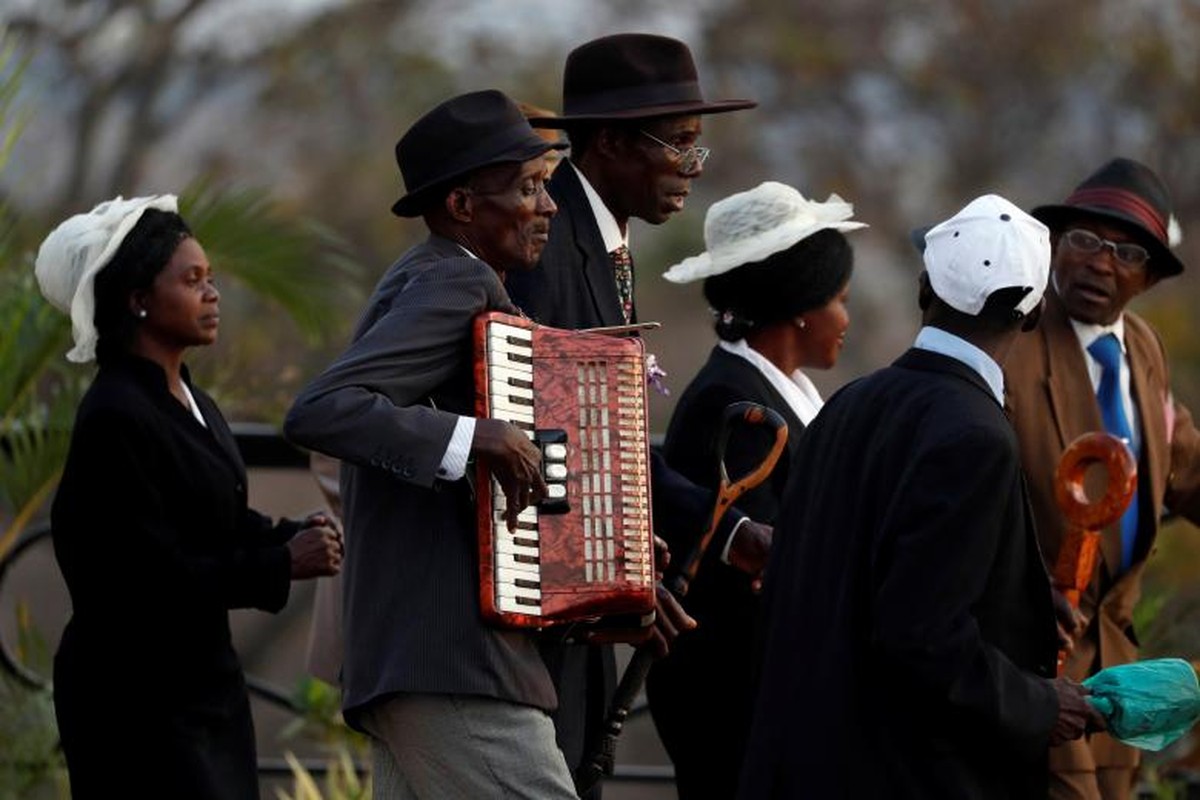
[[632, 109], [1094, 366]]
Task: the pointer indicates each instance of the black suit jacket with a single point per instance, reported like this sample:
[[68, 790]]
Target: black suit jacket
[[910, 638], [701, 693], [387, 407], [155, 540], [573, 287]]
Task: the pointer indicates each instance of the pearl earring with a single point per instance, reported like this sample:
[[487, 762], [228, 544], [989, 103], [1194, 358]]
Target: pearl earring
[[802, 324], [141, 313]]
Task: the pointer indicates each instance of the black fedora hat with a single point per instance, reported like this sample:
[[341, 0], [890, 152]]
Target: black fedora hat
[[461, 135], [1126, 191], [632, 76]]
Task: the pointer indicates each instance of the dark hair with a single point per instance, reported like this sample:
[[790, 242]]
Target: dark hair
[[805, 276], [145, 251], [999, 312]]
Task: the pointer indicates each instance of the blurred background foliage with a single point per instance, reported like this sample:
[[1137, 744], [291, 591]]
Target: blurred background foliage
[[275, 120]]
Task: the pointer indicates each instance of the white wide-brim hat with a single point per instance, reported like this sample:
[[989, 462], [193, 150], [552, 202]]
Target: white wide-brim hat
[[750, 226], [989, 245], [75, 251]]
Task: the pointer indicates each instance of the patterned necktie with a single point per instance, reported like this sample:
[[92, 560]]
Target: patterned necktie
[[1107, 352], [623, 272]]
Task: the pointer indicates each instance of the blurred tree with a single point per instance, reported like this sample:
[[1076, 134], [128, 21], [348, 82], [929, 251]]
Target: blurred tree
[[909, 109]]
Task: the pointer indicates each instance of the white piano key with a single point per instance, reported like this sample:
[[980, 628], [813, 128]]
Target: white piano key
[[517, 374], [509, 590], [522, 538], [513, 605], [528, 515], [502, 354], [502, 545], [510, 347], [506, 561], [516, 578], [503, 408], [504, 330], [502, 388]]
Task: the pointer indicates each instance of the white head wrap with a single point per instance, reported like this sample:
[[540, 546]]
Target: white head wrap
[[67, 262]]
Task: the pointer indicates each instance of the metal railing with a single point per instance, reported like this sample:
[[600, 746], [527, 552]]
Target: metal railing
[[261, 446]]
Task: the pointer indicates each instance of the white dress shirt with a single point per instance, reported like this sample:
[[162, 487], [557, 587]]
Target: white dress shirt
[[936, 340]]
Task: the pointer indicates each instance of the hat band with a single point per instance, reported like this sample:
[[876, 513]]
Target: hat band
[[633, 97], [1125, 201]]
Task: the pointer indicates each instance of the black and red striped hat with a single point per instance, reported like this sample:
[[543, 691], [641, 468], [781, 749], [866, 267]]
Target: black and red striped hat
[[1126, 191]]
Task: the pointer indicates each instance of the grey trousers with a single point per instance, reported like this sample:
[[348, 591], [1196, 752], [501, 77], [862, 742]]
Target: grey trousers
[[459, 746]]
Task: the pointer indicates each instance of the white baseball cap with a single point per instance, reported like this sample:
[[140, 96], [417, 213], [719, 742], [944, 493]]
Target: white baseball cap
[[989, 245]]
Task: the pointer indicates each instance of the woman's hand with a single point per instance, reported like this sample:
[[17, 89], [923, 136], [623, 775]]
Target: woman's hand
[[318, 548]]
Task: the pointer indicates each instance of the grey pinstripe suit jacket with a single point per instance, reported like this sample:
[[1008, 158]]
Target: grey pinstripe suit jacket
[[387, 407]]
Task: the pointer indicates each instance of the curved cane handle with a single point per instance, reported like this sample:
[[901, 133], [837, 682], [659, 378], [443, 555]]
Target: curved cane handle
[[1076, 560], [1119, 465], [747, 413]]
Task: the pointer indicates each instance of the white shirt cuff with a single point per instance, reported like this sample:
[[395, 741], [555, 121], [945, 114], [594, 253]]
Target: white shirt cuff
[[729, 542], [454, 462]]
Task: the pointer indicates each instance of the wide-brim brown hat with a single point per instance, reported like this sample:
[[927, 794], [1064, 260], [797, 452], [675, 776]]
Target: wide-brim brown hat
[[632, 76], [1126, 191], [461, 135]]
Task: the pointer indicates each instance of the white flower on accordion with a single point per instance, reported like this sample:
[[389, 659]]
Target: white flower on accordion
[[655, 375]]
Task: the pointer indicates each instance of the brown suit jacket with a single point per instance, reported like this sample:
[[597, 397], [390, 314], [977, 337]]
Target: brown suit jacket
[[1050, 401]]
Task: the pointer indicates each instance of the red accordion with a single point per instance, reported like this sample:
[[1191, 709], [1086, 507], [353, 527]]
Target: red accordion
[[585, 554]]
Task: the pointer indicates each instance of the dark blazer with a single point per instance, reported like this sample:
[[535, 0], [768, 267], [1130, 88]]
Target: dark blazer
[[1051, 402], [701, 694], [387, 408], [910, 639], [152, 533], [573, 287]]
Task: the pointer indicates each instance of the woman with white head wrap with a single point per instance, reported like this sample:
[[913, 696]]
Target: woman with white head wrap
[[150, 523]]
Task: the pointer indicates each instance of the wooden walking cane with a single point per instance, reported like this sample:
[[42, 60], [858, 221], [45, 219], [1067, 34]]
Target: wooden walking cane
[[600, 761], [1076, 560]]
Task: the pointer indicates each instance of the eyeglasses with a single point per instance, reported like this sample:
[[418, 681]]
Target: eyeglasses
[[1128, 253], [690, 158]]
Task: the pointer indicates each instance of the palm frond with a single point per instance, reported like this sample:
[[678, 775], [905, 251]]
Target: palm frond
[[33, 449], [33, 340], [12, 69], [297, 263]]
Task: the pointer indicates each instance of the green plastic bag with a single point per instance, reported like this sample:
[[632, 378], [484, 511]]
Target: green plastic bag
[[1147, 704]]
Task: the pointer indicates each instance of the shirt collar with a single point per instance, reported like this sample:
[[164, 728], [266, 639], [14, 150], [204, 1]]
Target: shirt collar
[[936, 340], [610, 231], [1088, 332], [797, 390]]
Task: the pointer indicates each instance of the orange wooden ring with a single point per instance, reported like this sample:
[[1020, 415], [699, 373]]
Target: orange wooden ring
[[1120, 467]]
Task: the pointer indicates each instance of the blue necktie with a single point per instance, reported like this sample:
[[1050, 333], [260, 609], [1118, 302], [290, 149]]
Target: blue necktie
[[1107, 352]]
